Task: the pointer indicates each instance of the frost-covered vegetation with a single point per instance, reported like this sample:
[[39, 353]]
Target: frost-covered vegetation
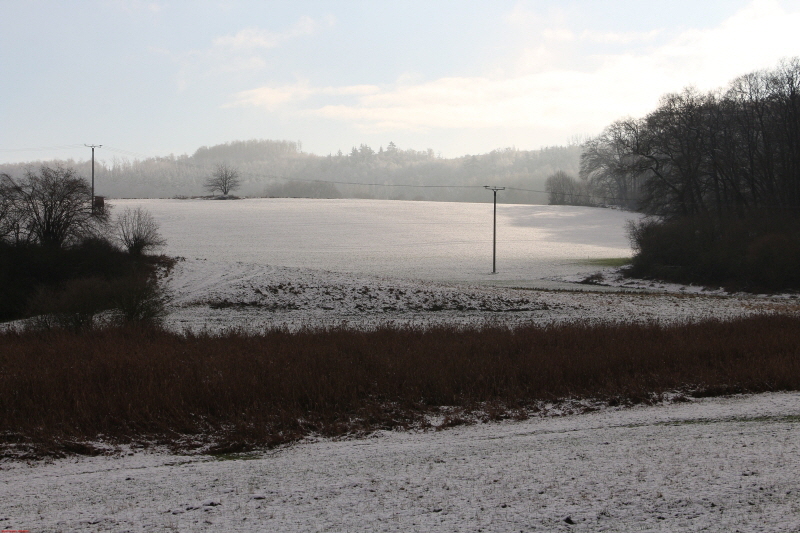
[[414, 349], [296, 351], [715, 464]]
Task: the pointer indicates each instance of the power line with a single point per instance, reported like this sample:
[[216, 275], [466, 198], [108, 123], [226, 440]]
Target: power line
[[569, 194], [187, 164], [42, 148], [334, 182], [378, 184], [127, 152]]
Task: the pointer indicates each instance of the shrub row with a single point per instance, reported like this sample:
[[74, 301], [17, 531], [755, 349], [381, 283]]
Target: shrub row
[[71, 284], [238, 391], [760, 253]]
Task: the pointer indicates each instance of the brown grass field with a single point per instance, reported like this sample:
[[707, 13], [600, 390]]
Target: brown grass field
[[64, 392]]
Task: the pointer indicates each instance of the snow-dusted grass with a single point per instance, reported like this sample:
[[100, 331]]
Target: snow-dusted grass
[[722, 464]]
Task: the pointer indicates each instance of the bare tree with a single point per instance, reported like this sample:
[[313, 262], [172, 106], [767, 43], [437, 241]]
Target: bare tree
[[55, 207], [137, 230], [609, 166], [724, 153], [139, 299], [563, 189], [9, 210], [224, 179]]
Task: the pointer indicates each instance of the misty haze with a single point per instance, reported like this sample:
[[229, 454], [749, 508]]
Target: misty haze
[[336, 266]]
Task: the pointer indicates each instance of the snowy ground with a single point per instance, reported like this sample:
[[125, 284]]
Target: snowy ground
[[434, 241], [261, 263], [220, 295], [726, 464], [723, 464]]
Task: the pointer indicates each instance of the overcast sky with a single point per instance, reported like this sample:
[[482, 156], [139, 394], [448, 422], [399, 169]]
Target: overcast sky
[[154, 78]]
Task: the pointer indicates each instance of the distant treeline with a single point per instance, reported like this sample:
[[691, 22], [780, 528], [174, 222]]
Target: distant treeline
[[282, 169], [730, 152]]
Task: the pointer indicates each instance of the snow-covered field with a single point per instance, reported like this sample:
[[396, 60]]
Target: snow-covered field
[[723, 464], [220, 295], [272, 262], [438, 241]]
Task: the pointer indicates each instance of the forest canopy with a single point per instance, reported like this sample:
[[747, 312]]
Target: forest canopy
[[719, 173], [734, 151]]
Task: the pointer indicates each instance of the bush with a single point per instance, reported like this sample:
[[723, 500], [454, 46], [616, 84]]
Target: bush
[[75, 281], [563, 189], [135, 299], [137, 230], [139, 300], [71, 307], [27, 269], [755, 253]]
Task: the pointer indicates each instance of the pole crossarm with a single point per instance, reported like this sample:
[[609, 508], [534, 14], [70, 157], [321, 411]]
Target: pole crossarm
[[494, 226]]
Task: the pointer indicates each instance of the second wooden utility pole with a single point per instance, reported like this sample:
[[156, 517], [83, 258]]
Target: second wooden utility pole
[[494, 227]]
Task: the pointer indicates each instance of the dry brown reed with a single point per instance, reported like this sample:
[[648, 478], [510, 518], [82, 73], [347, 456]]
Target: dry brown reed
[[237, 391]]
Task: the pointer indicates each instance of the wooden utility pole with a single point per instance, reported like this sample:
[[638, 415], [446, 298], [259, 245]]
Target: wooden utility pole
[[494, 227], [93, 146]]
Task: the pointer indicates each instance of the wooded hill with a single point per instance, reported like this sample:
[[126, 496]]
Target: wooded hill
[[282, 169]]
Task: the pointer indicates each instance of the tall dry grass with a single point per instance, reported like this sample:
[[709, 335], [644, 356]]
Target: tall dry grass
[[239, 391]]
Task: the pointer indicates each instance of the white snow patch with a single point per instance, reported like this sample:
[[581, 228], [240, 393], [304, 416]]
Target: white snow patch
[[217, 296], [722, 464], [438, 241]]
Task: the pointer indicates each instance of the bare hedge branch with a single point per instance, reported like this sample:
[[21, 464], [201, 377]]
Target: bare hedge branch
[[137, 230]]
